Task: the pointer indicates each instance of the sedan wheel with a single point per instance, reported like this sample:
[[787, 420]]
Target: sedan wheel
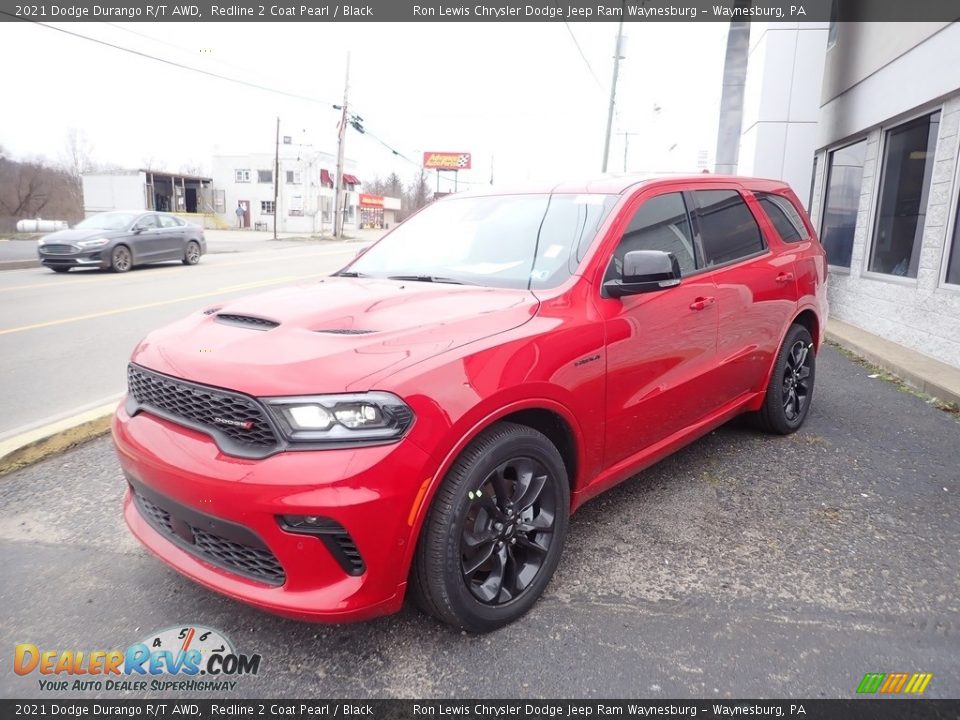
[[495, 531], [191, 255], [120, 259]]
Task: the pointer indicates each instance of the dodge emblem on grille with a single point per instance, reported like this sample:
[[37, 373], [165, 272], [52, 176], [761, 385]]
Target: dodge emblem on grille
[[245, 424]]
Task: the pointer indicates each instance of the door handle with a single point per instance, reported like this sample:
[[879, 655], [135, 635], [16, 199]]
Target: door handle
[[784, 277], [702, 302]]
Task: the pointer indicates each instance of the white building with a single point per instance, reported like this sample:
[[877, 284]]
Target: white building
[[885, 192], [305, 195], [147, 190]]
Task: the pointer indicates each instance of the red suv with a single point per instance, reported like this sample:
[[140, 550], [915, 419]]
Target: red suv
[[427, 418]]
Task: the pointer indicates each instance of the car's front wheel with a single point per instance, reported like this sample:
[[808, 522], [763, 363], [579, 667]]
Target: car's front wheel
[[495, 531], [120, 259], [790, 390], [191, 256]]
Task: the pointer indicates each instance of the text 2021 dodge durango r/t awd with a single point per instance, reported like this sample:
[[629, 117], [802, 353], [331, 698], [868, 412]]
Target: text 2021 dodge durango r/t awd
[[425, 420]]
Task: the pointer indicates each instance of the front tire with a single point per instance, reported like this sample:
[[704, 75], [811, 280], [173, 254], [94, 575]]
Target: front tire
[[790, 391], [495, 531], [191, 256], [120, 259]]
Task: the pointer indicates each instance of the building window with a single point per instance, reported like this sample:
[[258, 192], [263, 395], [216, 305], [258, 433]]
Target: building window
[[844, 180], [265, 176], [728, 230], [242, 176], [266, 207], [293, 177], [953, 260], [784, 217], [904, 188], [296, 206]]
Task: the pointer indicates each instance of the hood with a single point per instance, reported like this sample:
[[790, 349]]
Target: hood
[[336, 335], [74, 236]]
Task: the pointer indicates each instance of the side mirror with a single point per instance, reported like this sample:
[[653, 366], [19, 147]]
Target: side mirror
[[137, 229], [644, 271]]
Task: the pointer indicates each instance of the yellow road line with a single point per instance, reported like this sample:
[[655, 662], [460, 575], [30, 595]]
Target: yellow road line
[[144, 306]]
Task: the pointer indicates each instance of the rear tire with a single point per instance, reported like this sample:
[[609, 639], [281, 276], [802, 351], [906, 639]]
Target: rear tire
[[191, 255], [790, 390], [60, 269], [120, 259], [495, 531]]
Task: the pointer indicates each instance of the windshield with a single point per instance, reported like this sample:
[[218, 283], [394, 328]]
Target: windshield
[[107, 221], [512, 241]]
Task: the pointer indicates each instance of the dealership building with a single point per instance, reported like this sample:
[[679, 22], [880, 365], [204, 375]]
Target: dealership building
[[862, 119]]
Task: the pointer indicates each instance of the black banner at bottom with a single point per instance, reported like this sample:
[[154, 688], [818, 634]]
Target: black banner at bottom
[[852, 709]]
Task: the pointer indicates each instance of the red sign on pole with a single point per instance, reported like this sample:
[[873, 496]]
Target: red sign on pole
[[373, 201], [446, 160]]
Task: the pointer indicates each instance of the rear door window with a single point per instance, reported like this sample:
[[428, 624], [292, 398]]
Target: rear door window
[[784, 217], [168, 221], [728, 230]]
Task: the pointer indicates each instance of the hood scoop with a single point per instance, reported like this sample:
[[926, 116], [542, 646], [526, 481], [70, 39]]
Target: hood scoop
[[345, 331], [247, 321]]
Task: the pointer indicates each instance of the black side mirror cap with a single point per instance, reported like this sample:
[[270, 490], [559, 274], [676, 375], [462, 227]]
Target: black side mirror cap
[[644, 271]]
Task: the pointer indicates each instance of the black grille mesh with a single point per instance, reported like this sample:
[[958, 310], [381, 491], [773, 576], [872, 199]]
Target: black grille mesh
[[202, 405], [257, 563], [59, 249]]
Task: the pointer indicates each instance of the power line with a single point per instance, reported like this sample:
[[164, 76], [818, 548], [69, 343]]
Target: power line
[[173, 63], [582, 55]]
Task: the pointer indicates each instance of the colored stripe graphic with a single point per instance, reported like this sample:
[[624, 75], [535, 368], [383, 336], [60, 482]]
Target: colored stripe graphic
[[918, 683], [871, 683], [894, 683]]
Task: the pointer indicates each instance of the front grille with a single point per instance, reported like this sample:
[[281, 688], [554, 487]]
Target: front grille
[[58, 249], [252, 562], [239, 418], [254, 323]]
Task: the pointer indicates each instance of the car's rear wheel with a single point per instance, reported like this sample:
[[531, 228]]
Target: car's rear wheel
[[495, 531], [60, 268], [120, 259], [191, 256], [790, 391]]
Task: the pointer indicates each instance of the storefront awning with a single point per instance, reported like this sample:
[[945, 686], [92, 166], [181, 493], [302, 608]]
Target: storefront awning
[[325, 178], [350, 179]]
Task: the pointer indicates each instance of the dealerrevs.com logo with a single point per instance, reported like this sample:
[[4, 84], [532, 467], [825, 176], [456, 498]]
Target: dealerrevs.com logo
[[183, 658]]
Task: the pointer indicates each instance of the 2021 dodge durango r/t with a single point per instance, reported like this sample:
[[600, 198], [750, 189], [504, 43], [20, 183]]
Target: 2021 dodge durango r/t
[[425, 420]]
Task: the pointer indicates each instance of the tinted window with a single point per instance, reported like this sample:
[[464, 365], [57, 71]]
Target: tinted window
[[904, 187], [728, 230], [844, 178], [784, 217], [661, 223], [148, 221]]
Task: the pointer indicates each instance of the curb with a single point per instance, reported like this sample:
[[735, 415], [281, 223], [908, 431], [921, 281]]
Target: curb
[[922, 382], [34, 445], [18, 264]]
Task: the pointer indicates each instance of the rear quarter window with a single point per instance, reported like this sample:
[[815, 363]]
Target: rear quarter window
[[784, 216]]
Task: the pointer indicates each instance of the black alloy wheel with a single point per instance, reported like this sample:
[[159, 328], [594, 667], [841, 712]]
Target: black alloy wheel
[[790, 391], [494, 532], [508, 530]]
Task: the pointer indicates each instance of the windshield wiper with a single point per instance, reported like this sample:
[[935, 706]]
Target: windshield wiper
[[431, 279], [350, 273]]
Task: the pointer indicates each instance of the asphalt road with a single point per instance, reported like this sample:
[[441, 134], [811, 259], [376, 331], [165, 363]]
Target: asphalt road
[[744, 566], [65, 339]]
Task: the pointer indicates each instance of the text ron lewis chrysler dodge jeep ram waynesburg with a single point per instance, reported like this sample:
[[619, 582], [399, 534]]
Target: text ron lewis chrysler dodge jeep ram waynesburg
[[426, 419]]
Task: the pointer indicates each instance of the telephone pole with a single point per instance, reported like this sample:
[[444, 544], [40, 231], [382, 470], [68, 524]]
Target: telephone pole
[[617, 55], [338, 188], [626, 146], [276, 178]]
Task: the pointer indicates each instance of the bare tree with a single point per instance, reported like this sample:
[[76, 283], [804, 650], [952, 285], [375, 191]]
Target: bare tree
[[192, 167], [418, 192], [77, 159]]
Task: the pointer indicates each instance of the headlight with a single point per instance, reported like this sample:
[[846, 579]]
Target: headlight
[[99, 242], [41, 241], [351, 418]]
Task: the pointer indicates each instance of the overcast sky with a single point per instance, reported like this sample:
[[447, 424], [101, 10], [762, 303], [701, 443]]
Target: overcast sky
[[517, 92]]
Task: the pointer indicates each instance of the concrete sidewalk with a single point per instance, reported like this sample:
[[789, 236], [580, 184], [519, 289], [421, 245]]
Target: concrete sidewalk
[[930, 376]]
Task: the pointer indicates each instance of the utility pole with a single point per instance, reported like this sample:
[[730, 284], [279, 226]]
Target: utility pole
[[617, 54], [276, 178], [338, 188], [626, 146]]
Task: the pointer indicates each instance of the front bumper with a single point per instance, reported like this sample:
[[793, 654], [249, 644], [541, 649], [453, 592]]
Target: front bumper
[[371, 493], [74, 258]]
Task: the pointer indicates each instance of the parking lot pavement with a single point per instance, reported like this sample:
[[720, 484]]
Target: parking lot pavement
[[744, 566]]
